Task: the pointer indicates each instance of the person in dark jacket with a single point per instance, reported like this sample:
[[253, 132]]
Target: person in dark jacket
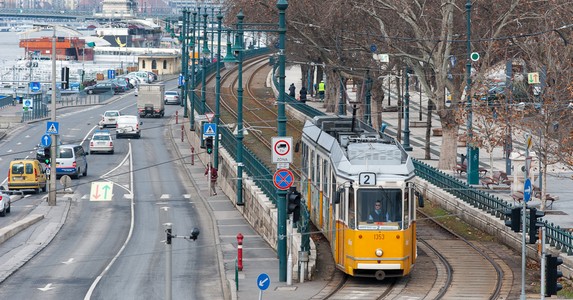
[[303, 93], [292, 90]]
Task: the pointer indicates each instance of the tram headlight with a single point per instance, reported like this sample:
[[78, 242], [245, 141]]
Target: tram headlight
[[379, 252]]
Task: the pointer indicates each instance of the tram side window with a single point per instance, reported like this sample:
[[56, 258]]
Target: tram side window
[[325, 177], [351, 211], [311, 165], [305, 159], [316, 168], [407, 207]]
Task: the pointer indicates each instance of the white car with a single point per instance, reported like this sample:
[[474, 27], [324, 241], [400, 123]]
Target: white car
[[171, 97], [128, 125], [109, 118], [5, 202], [101, 142]]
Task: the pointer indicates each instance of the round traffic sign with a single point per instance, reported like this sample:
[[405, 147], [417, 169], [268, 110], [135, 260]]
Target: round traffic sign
[[474, 56], [282, 147], [373, 48], [263, 281], [283, 179], [28, 102]]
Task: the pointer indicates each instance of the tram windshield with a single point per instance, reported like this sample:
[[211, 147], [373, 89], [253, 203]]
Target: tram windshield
[[379, 209]]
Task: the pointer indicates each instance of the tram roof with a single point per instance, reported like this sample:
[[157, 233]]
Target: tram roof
[[355, 147]]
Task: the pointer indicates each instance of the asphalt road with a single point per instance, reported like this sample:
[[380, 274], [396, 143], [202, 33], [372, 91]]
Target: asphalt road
[[116, 249]]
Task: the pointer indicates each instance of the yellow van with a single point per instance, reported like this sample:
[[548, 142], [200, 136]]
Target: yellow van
[[25, 173]]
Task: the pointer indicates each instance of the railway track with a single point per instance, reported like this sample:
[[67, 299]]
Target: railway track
[[259, 110], [448, 266]]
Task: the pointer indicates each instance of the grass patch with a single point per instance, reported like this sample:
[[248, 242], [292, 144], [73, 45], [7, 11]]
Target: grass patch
[[454, 223]]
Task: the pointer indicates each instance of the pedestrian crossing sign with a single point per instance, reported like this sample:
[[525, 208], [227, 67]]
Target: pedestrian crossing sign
[[209, 129], [52, 128]]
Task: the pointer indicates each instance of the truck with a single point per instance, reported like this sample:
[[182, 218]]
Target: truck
[[150, 100]]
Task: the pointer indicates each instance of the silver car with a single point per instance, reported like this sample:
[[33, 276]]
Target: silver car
[[109, 118], [101, 142], [171, 97], [5, 202]]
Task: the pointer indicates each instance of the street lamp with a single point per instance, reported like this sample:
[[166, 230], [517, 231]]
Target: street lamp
[[218, 89], [282, 5], [239, 51], [472, 152], [406, 143], [192, 112], [205, 56], [53, 149]]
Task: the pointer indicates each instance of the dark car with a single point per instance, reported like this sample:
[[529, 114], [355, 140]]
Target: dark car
[[104, 87]]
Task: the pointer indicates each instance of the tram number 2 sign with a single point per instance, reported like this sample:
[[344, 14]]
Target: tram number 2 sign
[[367, 178]]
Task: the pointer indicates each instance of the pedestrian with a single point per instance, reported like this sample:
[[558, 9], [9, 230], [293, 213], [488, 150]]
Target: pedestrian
[[303, 93], [321, 90], [214, 177], [292, 90]]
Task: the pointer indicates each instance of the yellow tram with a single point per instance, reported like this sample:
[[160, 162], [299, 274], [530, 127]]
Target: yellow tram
[[357, 184]]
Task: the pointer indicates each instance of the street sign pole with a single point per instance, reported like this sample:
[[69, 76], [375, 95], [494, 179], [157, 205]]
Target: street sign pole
[[52, 192], [526, 196]]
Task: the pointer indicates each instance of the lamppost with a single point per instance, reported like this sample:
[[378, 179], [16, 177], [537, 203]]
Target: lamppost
[[239, 50], [472, 152], [368, 112], [282, 5], [218, 89], [53, 149], [192, 112], [406, 143], [184, 60], [205, 55]]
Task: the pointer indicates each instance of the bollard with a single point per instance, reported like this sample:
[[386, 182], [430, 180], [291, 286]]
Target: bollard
[[176, 117], [240, 251], [192, 155], [182, 132]]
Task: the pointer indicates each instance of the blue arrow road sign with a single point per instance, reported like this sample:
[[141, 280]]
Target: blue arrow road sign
[[52, 127], [263, 281], [527, 190], [46, 141], [209, 129]]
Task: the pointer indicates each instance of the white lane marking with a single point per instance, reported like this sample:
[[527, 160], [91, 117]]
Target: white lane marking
[[187, 196], [69, 261], [165, 196], [46, 288]]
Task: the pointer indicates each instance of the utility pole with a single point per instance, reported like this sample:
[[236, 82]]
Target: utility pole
[[53, 148]]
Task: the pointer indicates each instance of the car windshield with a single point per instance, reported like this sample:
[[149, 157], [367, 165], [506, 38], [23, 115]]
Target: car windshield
[[171, 93], [111, 114]]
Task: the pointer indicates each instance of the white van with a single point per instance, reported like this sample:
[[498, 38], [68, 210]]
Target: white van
[[71, 160], [128, 125], [143, 76]]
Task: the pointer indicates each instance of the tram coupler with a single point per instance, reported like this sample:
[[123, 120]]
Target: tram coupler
[[176, 117], [192, 155], [240, 251]]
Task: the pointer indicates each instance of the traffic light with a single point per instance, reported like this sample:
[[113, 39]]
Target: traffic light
[[514, 219], [209, 144], [47, 156], [552, 286], [534, 224], [65, 78], [293, 204]]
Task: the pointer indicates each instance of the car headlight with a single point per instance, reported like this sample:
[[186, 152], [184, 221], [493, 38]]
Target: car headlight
[[379, 252]]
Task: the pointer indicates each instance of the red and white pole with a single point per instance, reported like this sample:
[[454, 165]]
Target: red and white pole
[[240, 251]]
